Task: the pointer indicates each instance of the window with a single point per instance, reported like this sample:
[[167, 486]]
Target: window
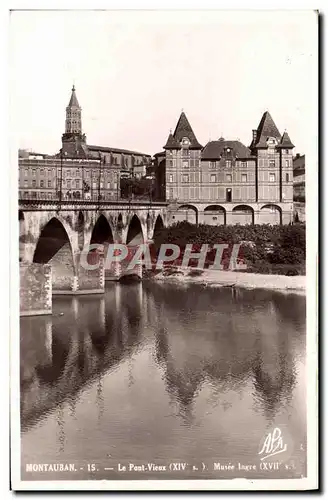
[[185, 178], [228, 194], [34, 183], [286, 163], [243, 164], [243, 177], [229, 178], [272, 163], [34, 172], [287, 177], [68, 173], [49, 171], [42, 183], [185, 163], [101, 184], [212, 165], [26, 184], [215, 218], [94, 185], [228, 163], [115, 185], [213, 178], [171, 163], [41, 171], [69, 183], [272, 177], [286, 151], [170, 178], [49, 184], [26, 172], [108, 185]]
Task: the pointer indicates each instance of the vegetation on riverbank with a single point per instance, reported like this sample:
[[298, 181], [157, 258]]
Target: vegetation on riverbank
[[264, 249]]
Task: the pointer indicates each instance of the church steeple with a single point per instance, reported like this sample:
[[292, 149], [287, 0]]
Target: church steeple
[[73, 140], [73, 123]]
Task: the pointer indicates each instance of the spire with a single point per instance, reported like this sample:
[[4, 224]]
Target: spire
[[267, 128], [183, 129], [171, 143], [73, 102], [73, 124], [285, 141]]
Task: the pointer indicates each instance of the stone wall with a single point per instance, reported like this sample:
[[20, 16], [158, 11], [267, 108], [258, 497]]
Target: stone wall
[[35, 289]]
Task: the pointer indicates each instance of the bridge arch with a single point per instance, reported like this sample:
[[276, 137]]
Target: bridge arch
[[188, 213], [214, 215], [102, 232], [54, 247], [242, 214], [135, 234], [158, 226], [270, 214]]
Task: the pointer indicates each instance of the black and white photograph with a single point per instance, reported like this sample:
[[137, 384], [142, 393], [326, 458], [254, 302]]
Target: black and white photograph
[[164, 188]]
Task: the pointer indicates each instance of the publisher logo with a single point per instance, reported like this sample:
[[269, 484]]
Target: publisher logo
[[274, 443]]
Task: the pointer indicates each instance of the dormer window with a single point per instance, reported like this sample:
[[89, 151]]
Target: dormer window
[[228, 150], [271, 141], [185, 142]]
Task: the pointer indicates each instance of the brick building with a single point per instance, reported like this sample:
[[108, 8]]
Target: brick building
[[299, 177], [226, 182], [78, 170]]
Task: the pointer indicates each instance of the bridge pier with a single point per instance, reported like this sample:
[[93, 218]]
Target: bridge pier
[[35, 296]]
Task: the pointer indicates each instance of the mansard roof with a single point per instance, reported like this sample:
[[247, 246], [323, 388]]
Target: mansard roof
[[183, 129], [215, 149], [267, 128]]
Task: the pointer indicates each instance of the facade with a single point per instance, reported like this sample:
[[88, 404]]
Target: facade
[[226, 182], [79, 170], [299, 177]]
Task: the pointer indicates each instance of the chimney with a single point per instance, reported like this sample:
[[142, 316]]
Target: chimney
[[254, 131]]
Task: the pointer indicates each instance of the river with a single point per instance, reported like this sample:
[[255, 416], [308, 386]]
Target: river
[[160, 373]]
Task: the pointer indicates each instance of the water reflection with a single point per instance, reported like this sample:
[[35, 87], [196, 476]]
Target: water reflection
[[163, 361]]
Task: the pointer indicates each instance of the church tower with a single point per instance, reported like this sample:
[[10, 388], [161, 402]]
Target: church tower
[[73, 140], [73, 123]]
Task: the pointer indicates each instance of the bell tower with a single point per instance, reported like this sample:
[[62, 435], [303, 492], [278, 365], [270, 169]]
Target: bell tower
[[73, 140], [73, 123]]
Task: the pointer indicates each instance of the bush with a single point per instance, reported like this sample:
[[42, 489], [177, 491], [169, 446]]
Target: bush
[[265, 244]]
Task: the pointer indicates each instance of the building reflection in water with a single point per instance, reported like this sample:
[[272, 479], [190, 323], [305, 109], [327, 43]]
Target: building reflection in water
[[224, 339], [84, 338], [229, 344]]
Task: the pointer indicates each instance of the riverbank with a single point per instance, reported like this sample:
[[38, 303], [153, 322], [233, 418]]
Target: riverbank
[[216, 278]]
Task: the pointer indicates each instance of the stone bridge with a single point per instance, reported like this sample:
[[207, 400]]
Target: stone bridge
[[56, 235]]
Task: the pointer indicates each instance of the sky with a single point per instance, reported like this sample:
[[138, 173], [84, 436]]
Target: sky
[[135, 71]]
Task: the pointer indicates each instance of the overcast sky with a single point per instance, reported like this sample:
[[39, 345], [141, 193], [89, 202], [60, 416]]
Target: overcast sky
[[135, 71]]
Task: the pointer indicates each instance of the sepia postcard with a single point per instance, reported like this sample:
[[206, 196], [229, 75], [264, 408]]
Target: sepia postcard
[[164, 253]]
